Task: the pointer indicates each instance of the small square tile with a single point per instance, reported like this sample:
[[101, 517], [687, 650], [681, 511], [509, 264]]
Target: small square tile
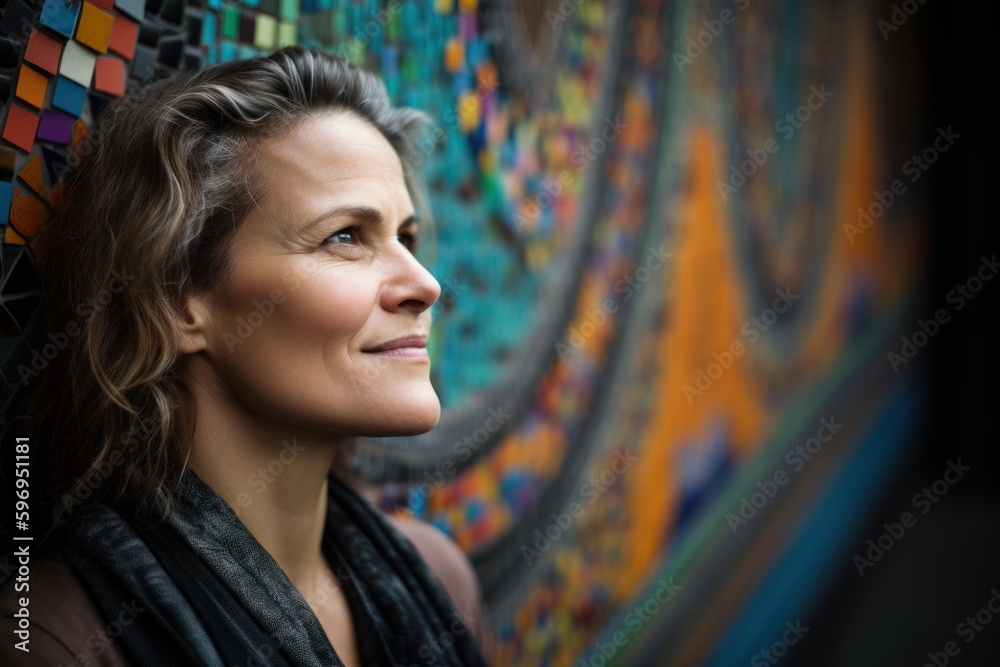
[[208, 31], [55, 126], [31, 86], [60, 15], [288, 33], [69, 96], [78, 63], [94, 29], [43, 51], [265, 32], [123, 36], [20, 127], [110, 76], [227, 52], [290, 10], [231, 22], [248, 26], [144, 63]]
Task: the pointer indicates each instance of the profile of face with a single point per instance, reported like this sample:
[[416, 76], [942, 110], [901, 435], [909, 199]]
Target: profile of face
[[325, 321]]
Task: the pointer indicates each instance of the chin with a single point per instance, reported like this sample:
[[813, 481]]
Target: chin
[[410, 415]]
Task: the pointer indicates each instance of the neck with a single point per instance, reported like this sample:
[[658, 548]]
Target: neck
[[272, 474]]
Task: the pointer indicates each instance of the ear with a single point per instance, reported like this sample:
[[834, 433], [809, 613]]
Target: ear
[[192, 322]]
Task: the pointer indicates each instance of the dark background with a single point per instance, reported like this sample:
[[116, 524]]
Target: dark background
[[943, 569]]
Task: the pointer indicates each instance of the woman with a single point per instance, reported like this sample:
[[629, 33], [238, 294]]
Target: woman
[[232, 265]]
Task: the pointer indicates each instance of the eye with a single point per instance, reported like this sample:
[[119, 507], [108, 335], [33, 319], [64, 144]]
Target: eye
[[409, 240], [346, 235]]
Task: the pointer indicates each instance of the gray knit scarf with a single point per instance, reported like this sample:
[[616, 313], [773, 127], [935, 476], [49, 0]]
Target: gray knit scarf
[[210, 595]]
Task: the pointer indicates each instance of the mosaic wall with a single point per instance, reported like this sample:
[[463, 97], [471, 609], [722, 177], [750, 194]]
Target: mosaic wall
[[648, 296]]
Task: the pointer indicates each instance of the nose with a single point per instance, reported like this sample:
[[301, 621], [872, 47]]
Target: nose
[[409, 286]]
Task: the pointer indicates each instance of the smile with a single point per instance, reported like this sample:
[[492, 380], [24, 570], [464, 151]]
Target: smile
[[417, 353], [413, 346]]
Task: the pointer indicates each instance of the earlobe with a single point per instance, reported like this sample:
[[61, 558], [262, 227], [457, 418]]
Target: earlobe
[[190, 323]]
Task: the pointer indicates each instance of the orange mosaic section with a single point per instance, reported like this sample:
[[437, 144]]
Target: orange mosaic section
[[885, 259], [707, 314]]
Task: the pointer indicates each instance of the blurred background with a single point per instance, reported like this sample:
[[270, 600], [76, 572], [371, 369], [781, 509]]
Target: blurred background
[[712, 344]]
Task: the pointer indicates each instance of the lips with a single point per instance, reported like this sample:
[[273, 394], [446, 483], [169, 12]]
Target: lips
[[410, 343]]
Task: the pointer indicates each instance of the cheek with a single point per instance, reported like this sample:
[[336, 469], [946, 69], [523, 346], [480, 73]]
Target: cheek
[[292, 355], [317, 317]]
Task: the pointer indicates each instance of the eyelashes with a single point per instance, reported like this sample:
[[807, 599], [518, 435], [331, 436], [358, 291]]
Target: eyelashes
[[354, 232], [409, 240]]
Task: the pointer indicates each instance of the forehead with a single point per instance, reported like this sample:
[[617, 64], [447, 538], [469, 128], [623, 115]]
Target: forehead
[[328, 158]]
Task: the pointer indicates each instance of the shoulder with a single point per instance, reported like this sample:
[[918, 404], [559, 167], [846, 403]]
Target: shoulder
[[451, 566], [64, 625]]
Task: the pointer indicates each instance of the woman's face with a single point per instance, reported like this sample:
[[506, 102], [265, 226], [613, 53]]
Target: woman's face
[[324, 281]]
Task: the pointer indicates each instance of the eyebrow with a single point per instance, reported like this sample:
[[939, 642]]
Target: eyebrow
[[363, 214]]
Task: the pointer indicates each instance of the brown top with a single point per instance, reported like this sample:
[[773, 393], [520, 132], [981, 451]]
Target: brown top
[[68, 628]]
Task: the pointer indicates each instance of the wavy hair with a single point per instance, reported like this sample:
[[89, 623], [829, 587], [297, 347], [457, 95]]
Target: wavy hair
[[165, 178]]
